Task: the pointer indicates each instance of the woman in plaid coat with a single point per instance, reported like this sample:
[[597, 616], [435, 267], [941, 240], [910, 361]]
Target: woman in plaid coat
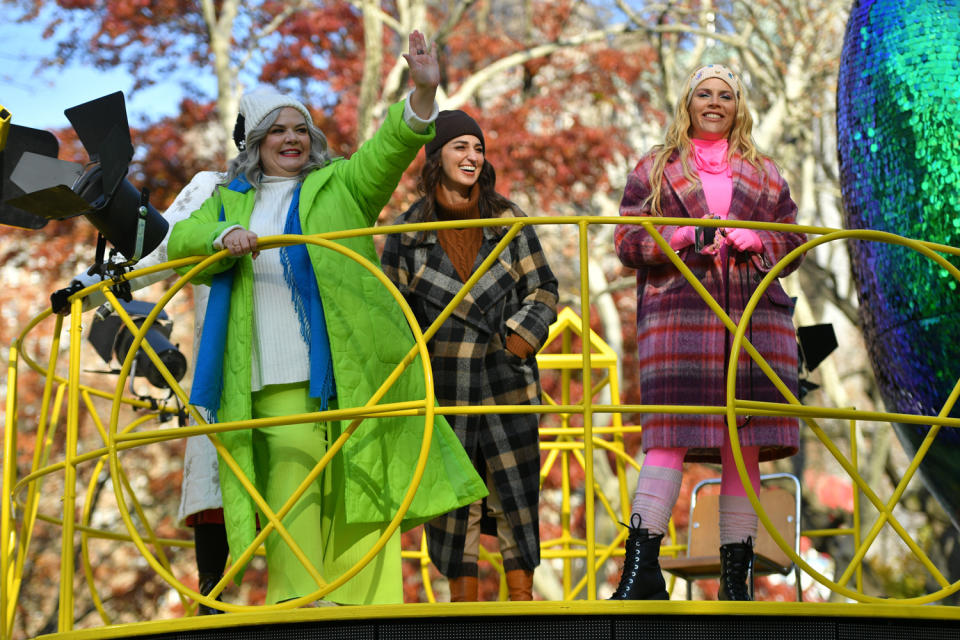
[[484, 353], [707, 168]]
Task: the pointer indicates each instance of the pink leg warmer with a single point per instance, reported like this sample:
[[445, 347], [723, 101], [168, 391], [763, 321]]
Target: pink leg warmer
[[658, 487], [738, 520]]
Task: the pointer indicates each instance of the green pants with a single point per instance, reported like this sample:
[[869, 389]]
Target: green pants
[[283, 457]]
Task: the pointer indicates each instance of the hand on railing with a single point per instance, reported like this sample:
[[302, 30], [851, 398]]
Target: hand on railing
[[239, 241]]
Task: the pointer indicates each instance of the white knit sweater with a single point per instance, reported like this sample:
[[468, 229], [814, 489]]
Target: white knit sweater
[[280, 353]]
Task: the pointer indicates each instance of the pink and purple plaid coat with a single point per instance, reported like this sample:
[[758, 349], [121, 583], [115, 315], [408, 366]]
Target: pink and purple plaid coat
[[683, 347]]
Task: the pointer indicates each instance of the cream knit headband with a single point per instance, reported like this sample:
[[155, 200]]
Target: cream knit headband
[[712, 71]]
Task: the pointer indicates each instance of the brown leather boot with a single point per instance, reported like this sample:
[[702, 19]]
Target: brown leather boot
[[520, 584], [463, 589]]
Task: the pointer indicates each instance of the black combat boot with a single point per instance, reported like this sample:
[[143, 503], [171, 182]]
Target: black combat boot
[[207, 582], [641, 578], [736, 570]]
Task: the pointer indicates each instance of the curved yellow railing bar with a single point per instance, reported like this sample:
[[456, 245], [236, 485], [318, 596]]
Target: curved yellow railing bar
[[112, 449], [885, 510], [568, 445], [115, 437], [45, 441], [274, 518], [85, 546]]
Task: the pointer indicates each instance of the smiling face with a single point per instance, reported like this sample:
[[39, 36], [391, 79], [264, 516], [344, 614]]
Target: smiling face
[[286, 148], [712, 109], [460, 161]]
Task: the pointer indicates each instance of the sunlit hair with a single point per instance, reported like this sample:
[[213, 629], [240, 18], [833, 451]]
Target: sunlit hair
[[247, 162], [677, 139], [489, 202]]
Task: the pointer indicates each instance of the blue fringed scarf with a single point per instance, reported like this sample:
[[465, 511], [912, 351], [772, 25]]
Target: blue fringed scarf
[[298, 274]]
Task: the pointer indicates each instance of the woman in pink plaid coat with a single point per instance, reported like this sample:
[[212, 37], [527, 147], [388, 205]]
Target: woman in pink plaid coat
[[708, 167]]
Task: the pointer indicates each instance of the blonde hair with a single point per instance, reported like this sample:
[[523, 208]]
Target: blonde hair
[[677, 139]]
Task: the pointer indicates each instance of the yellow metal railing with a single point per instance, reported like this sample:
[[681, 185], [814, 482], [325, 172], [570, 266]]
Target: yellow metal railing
[[581, 554]]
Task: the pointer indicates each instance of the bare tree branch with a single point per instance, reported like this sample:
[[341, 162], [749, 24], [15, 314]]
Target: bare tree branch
[[220, 33], [824, 281], [373, 10], [372, 65], [443, 31], [270, 28], [472, 84]]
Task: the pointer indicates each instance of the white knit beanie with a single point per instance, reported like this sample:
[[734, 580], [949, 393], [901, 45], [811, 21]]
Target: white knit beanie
[[255, 105]]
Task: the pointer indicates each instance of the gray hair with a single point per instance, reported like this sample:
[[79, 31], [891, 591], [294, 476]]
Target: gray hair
[[247, 162]]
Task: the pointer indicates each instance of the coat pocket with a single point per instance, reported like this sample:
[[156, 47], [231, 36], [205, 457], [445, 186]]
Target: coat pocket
[[778, 297], [512, 380]]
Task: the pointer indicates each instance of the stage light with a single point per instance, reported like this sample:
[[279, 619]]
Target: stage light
[[38, 187], [814, 342], [111, 338]]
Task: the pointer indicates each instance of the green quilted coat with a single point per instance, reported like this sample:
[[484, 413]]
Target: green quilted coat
[[368, 337]]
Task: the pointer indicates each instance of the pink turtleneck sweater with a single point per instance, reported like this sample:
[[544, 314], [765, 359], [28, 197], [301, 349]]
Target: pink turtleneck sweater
[[710, 158]]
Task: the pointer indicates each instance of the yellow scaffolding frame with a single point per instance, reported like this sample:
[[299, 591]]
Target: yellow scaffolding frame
[[567, 445]]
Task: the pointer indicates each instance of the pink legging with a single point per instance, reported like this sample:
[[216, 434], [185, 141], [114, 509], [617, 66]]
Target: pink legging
[[730, 485], [658, 486]]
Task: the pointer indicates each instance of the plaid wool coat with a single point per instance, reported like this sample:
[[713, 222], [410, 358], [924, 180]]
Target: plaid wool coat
[[683, 347], [472, 366]]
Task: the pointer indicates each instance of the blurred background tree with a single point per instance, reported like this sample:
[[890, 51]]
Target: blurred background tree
[[570, 94]]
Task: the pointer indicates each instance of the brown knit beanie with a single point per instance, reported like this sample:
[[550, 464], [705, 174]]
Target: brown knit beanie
[[453, 124]]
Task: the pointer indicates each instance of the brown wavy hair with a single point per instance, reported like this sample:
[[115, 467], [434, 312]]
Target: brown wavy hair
[[489, 202]]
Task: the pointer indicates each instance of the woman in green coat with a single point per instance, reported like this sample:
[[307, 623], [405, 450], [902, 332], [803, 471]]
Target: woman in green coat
[[302, 329]]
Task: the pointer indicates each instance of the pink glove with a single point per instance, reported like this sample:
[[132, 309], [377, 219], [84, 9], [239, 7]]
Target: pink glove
[[744, 240], [682, 237]]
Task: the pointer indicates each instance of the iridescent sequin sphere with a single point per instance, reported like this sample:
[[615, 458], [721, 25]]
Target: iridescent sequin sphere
[[898, 113]]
